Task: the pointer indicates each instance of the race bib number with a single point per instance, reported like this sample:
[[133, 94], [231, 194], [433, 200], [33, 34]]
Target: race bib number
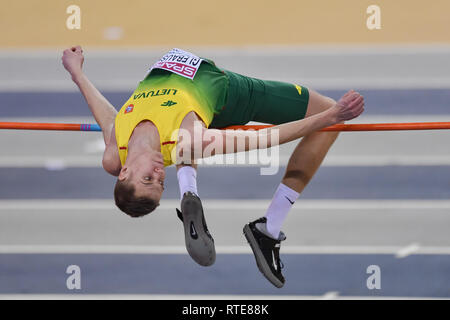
[[180, 62]]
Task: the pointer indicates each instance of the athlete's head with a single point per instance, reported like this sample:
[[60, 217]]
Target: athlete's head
[[140, 185]]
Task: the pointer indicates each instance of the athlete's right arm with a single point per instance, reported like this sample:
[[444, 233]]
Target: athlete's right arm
[[103, 112]]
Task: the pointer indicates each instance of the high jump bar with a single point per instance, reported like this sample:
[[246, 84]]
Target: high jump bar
[[337, 127]]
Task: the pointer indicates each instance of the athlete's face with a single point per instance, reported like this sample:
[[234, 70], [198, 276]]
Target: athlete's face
[[146, 175]]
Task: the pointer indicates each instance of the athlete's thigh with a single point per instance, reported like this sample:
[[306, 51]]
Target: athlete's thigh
[[318, 103], [280, 102], [251, 99]]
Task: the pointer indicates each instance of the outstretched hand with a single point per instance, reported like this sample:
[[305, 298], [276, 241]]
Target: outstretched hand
[[350, 106], [72, 60]]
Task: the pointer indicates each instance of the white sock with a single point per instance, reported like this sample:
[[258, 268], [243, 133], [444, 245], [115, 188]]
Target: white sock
[[282, 202], [187, 180]]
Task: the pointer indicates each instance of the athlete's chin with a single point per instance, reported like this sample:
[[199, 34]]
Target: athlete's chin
[[158, 159]]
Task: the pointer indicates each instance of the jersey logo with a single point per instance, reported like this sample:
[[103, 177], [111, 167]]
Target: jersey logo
[[129, 108], [299, 89], [168, 103]]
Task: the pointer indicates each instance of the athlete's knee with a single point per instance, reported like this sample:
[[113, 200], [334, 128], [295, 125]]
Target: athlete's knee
[[319, 103], [330, 102], [327, 102]]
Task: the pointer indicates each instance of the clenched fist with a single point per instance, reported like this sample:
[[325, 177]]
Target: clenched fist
[[350, 106], [72, 61]]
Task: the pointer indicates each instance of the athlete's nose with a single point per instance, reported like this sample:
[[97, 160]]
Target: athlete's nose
[[159, 173]]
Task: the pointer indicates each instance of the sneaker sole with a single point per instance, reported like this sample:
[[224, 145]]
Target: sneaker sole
[[202, 249], [260, 260]]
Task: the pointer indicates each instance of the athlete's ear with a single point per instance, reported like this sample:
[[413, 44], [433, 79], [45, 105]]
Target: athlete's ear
[[124, 173]]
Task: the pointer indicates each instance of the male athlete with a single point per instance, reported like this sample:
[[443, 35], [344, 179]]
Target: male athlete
[[182, 90]]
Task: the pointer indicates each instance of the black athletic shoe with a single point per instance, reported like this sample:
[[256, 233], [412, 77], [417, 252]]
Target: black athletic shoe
[[266, 251], [199, 242]]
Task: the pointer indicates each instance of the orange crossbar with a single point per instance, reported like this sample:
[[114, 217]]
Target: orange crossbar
[[40, 126], [367, 126], [338, 127]]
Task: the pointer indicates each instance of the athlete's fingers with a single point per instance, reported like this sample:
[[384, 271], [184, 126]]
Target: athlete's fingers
[[360, 98], [359, 108], [346, 94], [69, 52], [355, 95], [357, 101], [76, 50], [359, 112], [356, 109], [352, 97], [347, 98]]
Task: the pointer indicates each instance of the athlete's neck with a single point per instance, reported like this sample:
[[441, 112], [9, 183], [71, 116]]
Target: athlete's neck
[[144, 139]]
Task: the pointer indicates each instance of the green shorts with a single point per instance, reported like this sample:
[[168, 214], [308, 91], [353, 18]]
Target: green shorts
[[251, 99]]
